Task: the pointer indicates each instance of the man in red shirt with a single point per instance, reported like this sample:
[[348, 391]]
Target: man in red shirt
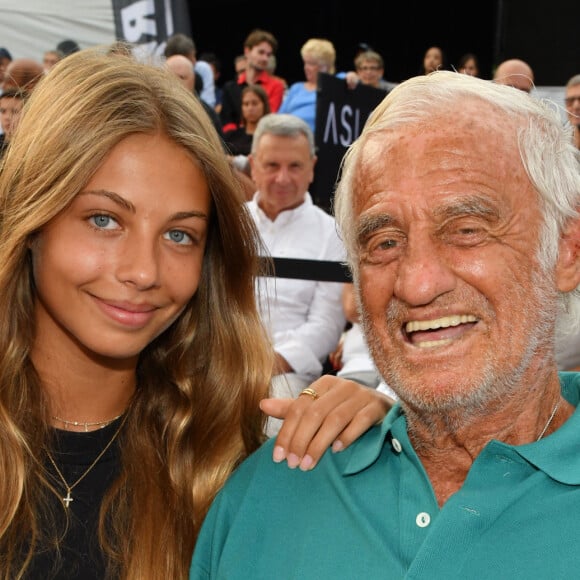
[[259, 46]]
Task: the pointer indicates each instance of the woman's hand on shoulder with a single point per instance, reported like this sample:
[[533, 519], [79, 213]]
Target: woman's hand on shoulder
[[341, 413]]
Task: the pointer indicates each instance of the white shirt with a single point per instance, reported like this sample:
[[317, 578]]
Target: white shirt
[[305, 318], [355, 352]]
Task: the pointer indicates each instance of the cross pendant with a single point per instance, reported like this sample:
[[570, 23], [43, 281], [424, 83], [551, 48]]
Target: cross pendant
[[67, 499]]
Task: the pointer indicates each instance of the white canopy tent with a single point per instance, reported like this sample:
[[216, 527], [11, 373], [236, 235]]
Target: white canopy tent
[[30, 27]]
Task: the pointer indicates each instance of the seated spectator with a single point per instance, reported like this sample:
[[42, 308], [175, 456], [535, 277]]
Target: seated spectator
[[434, 59], [254, 106], [304, 317], [5, 60], [259, 46], [468, 64], [50, 58], [239, 141], [515, 73], [22, 74], [240, 63], [369, 70], [318, 55], [11, 103]]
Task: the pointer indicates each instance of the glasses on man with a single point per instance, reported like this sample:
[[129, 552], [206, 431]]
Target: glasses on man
[[571, 100], [369, 68]]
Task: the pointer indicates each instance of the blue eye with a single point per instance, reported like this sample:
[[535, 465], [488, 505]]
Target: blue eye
[[179, 237], [103, 221]]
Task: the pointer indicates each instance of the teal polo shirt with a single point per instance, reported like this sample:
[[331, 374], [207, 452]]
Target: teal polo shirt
[[370, 512]]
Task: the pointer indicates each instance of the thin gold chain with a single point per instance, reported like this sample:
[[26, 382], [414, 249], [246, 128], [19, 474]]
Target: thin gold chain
[[85, 424], [66, 500], [552, 415]]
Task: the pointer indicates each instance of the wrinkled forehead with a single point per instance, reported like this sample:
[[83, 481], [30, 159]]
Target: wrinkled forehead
[[468, 138], [476, 119]]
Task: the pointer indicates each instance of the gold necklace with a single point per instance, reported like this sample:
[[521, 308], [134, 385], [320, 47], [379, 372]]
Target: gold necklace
[[549, 420], [66, 500], [85, 424]]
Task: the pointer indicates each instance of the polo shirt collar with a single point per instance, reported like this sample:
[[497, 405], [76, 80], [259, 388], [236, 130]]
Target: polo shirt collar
[[362, 456], [262, 78], [557, 455]]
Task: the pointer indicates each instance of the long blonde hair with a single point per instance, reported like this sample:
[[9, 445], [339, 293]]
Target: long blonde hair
[[195, 415]]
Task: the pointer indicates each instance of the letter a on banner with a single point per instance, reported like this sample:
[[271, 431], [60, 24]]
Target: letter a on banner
[[147, 24]]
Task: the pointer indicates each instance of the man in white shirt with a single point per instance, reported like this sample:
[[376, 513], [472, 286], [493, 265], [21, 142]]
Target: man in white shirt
[[305, 317]]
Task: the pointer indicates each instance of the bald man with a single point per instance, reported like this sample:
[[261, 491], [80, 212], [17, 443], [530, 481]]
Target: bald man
[[22, 74], [182, 67], [516, 73]]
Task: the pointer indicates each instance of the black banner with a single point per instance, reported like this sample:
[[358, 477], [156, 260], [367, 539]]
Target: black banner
[[340, 116], [147, 24]]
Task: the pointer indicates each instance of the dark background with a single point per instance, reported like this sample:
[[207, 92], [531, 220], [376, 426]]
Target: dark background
[[543, 33]]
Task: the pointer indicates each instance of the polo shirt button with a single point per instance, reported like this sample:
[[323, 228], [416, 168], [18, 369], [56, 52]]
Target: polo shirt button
[[396, 445], [423, 519]]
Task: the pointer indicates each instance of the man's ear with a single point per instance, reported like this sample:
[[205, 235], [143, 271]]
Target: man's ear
[[568, 264]]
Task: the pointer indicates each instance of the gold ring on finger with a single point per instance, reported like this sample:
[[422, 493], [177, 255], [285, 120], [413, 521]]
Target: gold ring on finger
[[310, 392]]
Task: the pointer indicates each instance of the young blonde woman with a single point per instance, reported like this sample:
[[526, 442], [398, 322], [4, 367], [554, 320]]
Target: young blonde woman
[[132, 358]]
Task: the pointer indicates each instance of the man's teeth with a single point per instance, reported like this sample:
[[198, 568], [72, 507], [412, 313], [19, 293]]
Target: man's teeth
[[444, 322], [432, 343]]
